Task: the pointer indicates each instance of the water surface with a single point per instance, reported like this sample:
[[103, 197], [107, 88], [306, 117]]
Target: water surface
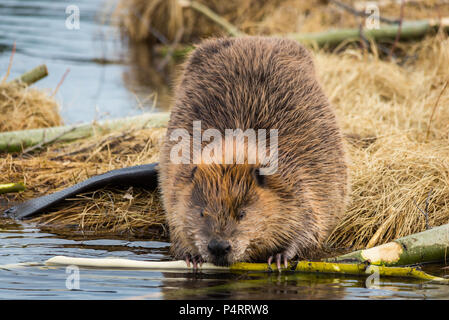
[[100, 83], [22, 242]]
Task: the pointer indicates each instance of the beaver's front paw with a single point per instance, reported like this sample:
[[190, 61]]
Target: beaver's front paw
[[196, 261], [279, 258]]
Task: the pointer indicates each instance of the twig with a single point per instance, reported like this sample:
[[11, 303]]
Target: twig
[[93, 145], [380, 231], [363, 40], [425, 211], [11, 58], [367, 44], [398, 34], [434, 109], [61, 81], [102, 142], [157, 34], [171, 49], [361, 13]]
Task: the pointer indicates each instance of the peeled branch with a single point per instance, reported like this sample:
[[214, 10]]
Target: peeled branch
[[301, 266], [427, 246]]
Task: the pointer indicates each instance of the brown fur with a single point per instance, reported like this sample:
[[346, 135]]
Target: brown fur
[[258, 83]]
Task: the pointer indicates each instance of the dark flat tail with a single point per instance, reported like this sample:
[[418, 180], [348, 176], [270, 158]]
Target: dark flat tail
[[140, 176]]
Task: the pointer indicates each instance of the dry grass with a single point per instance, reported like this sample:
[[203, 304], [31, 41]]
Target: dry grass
[[143, 20], [398, 155], [133, 211], [390, 106], [22, 108]]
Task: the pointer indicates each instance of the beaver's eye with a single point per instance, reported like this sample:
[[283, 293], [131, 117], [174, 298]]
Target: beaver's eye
[[202, 212], [242, 214]]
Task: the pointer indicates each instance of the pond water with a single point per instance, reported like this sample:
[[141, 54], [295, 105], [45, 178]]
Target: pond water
[[104, 81], [101, 81], [21, 242]]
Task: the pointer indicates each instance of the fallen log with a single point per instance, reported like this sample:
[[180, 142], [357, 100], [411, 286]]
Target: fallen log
[[427, 246], [331, 38], [17, 141], [409, 30]]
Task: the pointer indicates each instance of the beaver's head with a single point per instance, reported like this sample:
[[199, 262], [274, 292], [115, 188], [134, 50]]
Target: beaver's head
[[233, 213]]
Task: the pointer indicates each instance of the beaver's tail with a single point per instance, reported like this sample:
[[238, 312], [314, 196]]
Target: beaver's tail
[[140, 176]]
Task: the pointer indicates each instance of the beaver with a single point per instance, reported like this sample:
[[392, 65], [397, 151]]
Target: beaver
[[228, 212]]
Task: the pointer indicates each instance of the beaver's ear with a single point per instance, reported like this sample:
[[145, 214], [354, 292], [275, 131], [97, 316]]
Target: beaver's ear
[[192, 173], [259, 178], [186, 173]]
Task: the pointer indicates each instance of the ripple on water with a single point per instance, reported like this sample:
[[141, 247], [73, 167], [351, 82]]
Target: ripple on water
[[21, 242], [91, 89]]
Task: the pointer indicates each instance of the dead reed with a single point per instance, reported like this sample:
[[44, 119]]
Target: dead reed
[[169, 21], [22, 107]]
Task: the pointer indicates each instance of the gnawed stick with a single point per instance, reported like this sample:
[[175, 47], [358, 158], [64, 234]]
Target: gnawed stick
[[301, 266], [126, 263]]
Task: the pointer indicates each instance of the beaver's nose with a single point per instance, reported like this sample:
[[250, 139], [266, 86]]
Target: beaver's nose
[[219, 248]]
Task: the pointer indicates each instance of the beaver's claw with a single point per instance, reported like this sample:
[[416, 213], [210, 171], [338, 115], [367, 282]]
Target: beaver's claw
[[279, 258], [196, 260]]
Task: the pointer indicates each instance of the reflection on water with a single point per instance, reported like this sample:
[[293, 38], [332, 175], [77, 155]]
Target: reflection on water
[[102, 81], [149, 71], [25, 243]]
